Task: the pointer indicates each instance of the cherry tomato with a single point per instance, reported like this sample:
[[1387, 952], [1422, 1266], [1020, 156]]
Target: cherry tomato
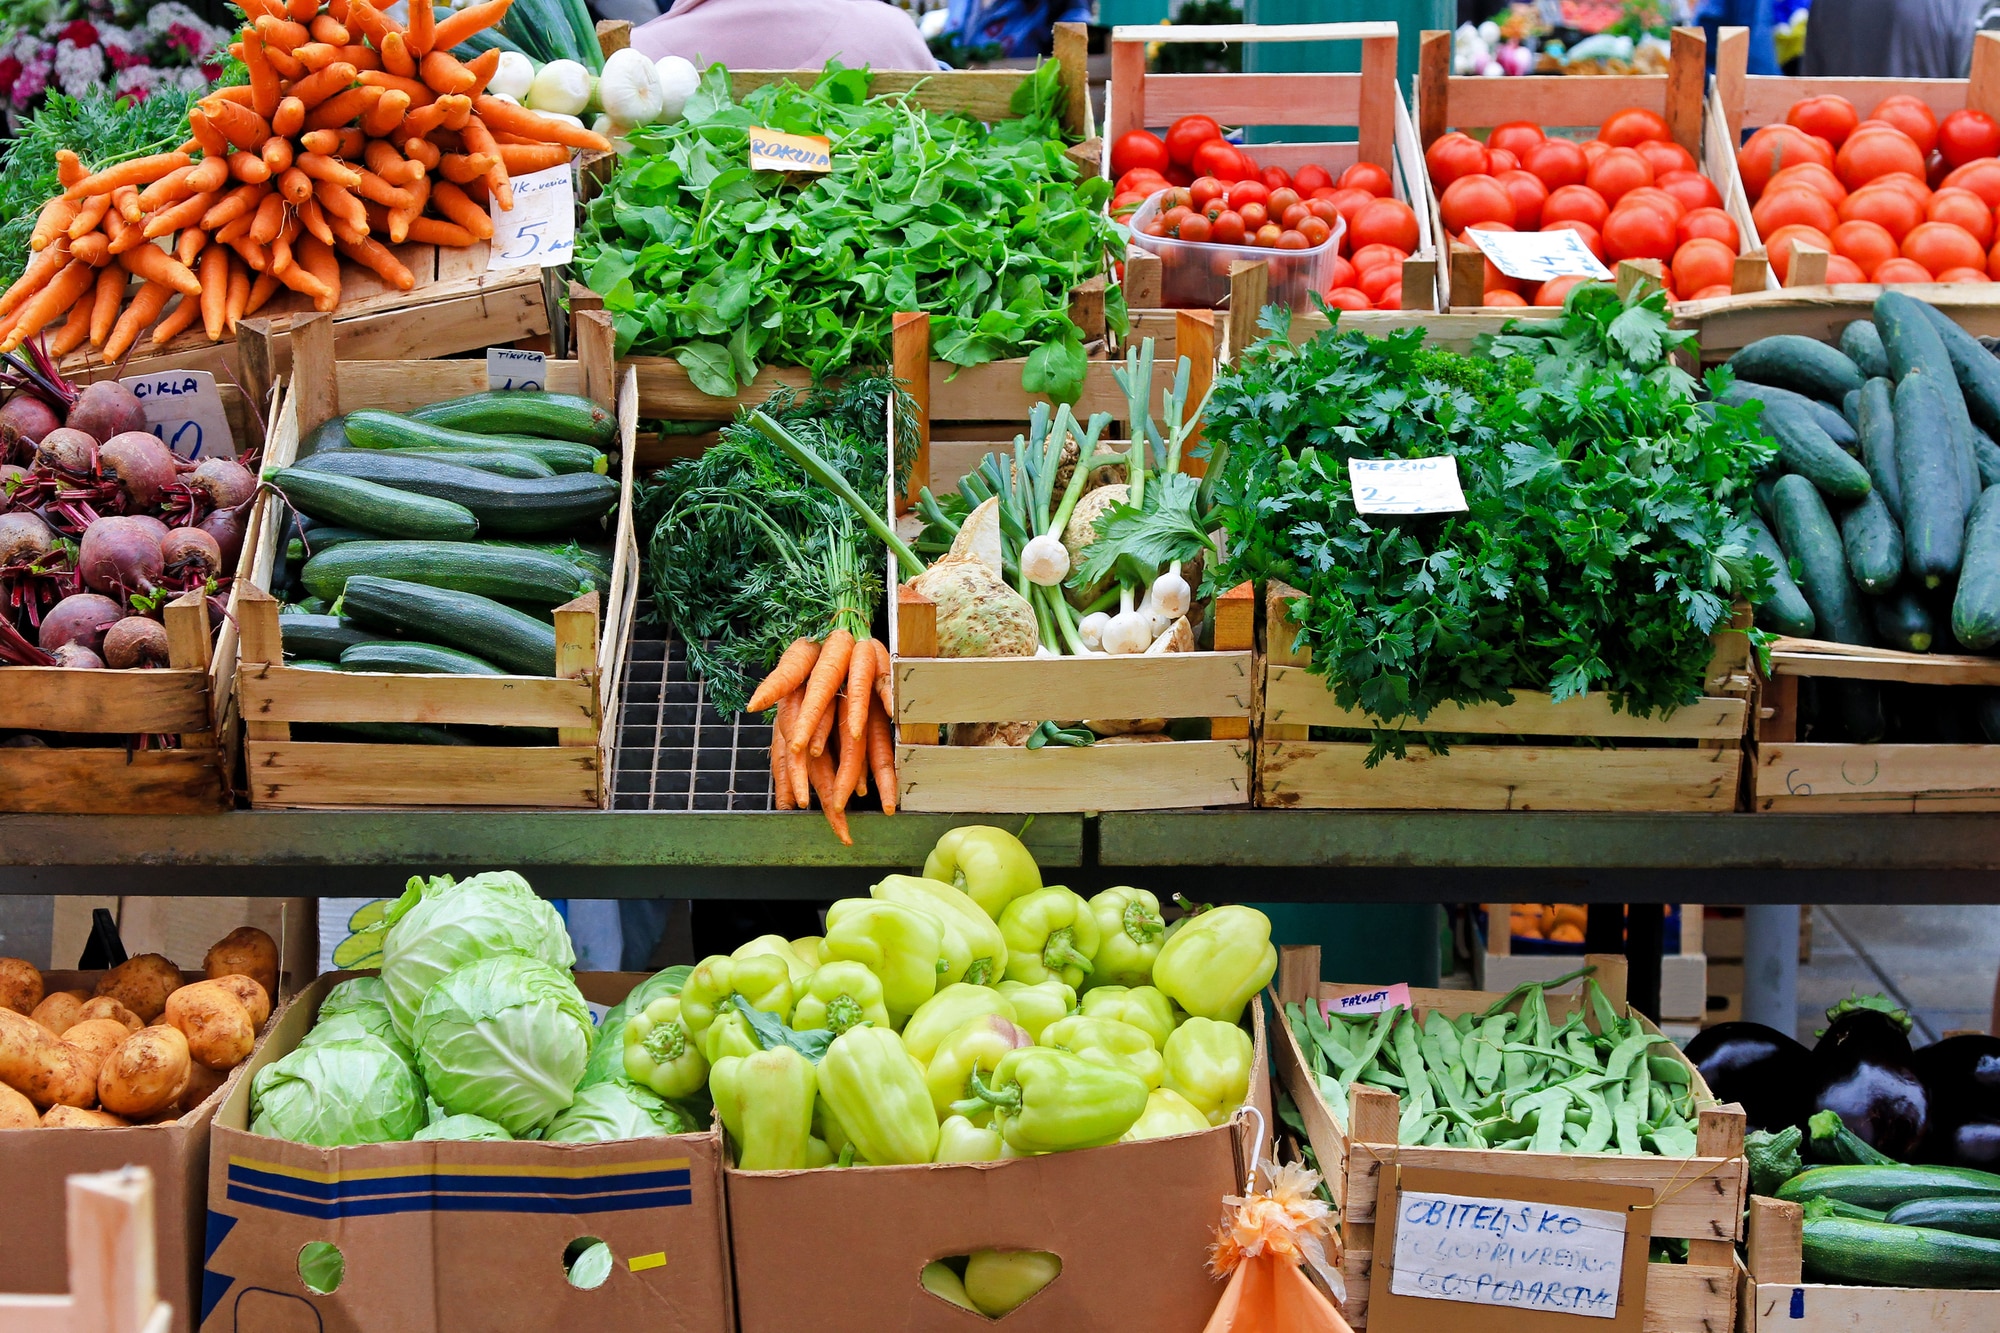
[[1254, 217], [1293, 240], [1173, 217], [1293, 216], [1137, 148], [1268, 234], [1155, 228], [1204, 189], [1277, 178], [1194, 227], [1143, 181], [1311, 177], [1249, 192], [1324, 210], [1316, 230], [1226, 228], [1220, 159], [1281, 199], [1177, 198], [1186, 135]]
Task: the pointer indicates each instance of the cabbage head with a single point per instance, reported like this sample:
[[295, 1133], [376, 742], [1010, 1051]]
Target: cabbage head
[[363, 1022], [505, 1038], [354, 993], [605, 1112], [337, 1092], [438, 927], [463, 1129]]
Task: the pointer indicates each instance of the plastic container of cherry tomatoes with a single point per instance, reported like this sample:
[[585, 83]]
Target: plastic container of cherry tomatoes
[[1194, 275]]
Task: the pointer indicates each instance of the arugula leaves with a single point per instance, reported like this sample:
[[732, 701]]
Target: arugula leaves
[[1601, 547], [725, 269]]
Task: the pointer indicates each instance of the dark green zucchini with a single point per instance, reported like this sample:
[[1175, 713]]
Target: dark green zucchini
[[1967, 1217], [1833, 1141], [318, 488], [1806, 530], [501, 463], [328, 434], [503, 506], [1934, 504], [1869, 535], [1904, 621], [1877, 428], [1975, 608], [1801, 364], [402, 656], [1785, 611], [320, 638], [555, 416], [1861, 343], [1886, 1186], [510, 639], [325, 538], [517, 574], [373, 430], [1848, 1250]]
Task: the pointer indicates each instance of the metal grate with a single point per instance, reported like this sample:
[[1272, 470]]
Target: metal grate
[[675, 751]]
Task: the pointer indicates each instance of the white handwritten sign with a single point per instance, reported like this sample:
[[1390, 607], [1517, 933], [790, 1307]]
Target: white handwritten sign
[[184, 410], [540, 229], [1368, 1002], [1547, 1257], [1539, 255], [1405, 485], [512, 368], [771, 150]]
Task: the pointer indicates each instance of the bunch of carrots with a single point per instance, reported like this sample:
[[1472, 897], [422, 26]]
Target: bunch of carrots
[[832, 731], [353, 131]]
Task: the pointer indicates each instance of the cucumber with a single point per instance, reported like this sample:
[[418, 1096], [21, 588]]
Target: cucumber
[[1977, 371], [501, 463], [1909, 339], [356, 502], [1927, 473], [1869, 535], [1785, 610], [1850, 409], [1861, 343], [512, 640], [1807, 532], [1831, 1139], [504, 574], [1886, 1186], [1848, 1250], [1801, 364], [1837, 427], [1904, 622], [320, 638], [1804, 448], [554, 416], [1967, 1217], [502, 506], [1987, 454], [386, 430], [1975, 608], [424, 659], [1877, 428]]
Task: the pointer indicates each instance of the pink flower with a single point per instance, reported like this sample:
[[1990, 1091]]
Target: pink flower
[[187, 39], [121, 58], [80, 33], [211, 73], [10, 69]]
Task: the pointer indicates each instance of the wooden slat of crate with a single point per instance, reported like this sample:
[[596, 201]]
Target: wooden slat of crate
[[1160, 775], [288, 694], [1776, 1295], [336, 775], [55, 699], [1295, 694], [61, 781], [998, 689]]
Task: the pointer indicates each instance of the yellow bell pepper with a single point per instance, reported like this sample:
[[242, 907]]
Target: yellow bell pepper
[[1141, 1006], [974, 949], [766, 1102], [902, 947], [959, 1140], [1037, 1006], [989, 864], [1129, 929], [765, 980], [948, 1011], [777, 946], [1209, 1063], [878, 1093], [1167, 1113], [1215, 962], [1107, 1042], [837, 996], [811, 949], [976, 1048], [1049, 933], [998, 1282]]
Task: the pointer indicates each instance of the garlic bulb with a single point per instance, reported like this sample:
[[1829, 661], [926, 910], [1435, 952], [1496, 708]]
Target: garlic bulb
[[1091, 630], [1129, 630], [1045, 561], [1171, 594]]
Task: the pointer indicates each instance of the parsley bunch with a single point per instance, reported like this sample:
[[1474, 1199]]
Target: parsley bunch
[[1602, 543]]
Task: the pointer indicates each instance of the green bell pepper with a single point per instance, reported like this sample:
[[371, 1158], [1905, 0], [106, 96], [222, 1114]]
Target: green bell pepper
[[1129, 931], [827, 1128], [777, 946], [989, 864], [1167, 1113], [766, 1103], [659, 1053], [811, 948], [940, 1281], [1049, 933], [971, 937], [1141, 1006], [1046, 1100], [975, 1048], [730, 1034], [1216, 962], [997, 1282], [837, 996], [946, 1012], [1107, 1042], [1037, 1006], [878, 1094], [764, 980], [902, 947], [959, 1140], [1209, 1063]]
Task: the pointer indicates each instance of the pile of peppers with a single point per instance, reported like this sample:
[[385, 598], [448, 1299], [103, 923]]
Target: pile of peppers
[[969, 1014]]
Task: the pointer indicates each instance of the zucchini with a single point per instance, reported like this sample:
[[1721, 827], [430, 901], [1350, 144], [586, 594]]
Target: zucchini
[[502, 463], [1904, 622], [1837, 427], [1807, 532], [320, 638], [1869, 535], [325, 538], [1849, 1250], [512, 640], [1861, 343], [1987, 455], [554, 416], [1832, 1140], [388, 510], [1927, 472], [1806, 449], [425, 659], [1842, 1208], [1877, 428], [504, 574], [1975, 608], [1785, 610], [502, 506], [388, 431], [592, 560], [1977, 371], [1801, 364], [1886, 1186], [1967, 1217], [328, 434]]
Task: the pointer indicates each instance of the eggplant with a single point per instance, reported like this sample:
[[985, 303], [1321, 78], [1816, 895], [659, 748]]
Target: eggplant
[[1759, 1067], [1862, 1071], [1961, 1075], [1976, 1144]]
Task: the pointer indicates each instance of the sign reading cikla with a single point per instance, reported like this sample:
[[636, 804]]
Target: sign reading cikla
[[1539, 256], [772, 150], [540, 229], [184, 409], [1405, 485]]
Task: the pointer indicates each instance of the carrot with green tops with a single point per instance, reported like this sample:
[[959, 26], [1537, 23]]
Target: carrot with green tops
[[270, 217], [62, 292], [238, 301], [52, 222], [242, 201], [823, 730], [819, 768], [381, 120], [88, 215], [137, 171], [258, 257], [263, 79], [301, 11], [369, 22], [277, 153], [231, 232], [483, 67], [241, 125], [262, 290], [860, 680], [211, 173], [795, 770], [186, 213], [75, 329], [176, 321], [318, 55], [521, 159], [42, 266], [282, 33], [327, 29], [499, 115], [295, 185], [421, 151], [289, 118], [794, 668], [156, 265], [204, 131], [429, 231], [323, 168], [316, 88], [361, 57], [147, 303], [827, 674], [422, 119], [174, 185], [124, 235], [214, 277], [108, 297], [853, 748], [781, 777], [464, 23], [342, 108], [313, 219], [125, 202], [882, 756]]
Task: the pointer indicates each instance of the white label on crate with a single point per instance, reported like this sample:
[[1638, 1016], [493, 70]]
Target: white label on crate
[[512, 368], [771, 150], [1539, 255], [184, 409], [1546, 1257], [1405, 485], [540, 229], [1368, 1002]]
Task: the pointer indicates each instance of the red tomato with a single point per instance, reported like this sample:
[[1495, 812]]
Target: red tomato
[[1778, 246], [1558, 162], [1327, 192], [1391, 299], [1142, 181], [1381, 279], [1220, 159], [1312, 177], [1957, 275], [1226, 228], [1267, 235], [1349, 202], [1963, 208], [1576, 201], [1384, 222], [1181, 176], [1203, 189], [1324, 210], [1967, 135], [1293, 216], [1293, 240], [1499, 297], [1525, 188], [1782, 208], [1374, 256], [1869, 154], [1452, 156], [1912, 115], [1471, 199], [1177, 198], [1552, 292], [1187, 134], [1634, 126], [1248, 192], [1367, 176], [1343, 274], [1638, 233], [1939, 246], [1864, 244], [1172, 218], [1665, 157], [1137, 148], [1315, 230], [1594, 149], [1708, 222], [1881, 203], [1499, 160], [1652, 196], [1516, 137], [1254, 217], [1277, 178], [1194, 227], [1814, 177], [1902, 270], [1591, 239], [1282, 198], [1617, 171], [1703, 262], [1693, 189], [1982, 177], [1712, 293], [1830, 117], [1775, 147], [1348, 298]]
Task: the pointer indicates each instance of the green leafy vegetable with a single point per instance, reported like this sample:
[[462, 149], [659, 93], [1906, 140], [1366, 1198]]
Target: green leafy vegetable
[[462, 1129], [442, 925], [505, 1038], [339, 1092], [605, 1112]]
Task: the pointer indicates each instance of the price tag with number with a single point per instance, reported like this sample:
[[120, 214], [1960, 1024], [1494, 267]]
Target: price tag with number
[[540, 229], [512, 368], [1539, 256], [1405, 485], [184, 409]]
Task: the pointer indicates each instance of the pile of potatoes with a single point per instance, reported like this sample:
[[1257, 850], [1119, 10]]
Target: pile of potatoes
[[147, 1047]]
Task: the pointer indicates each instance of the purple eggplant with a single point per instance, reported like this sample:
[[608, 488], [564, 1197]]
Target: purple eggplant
[[1961, 1076], [1757, 1066], [1862, 1071]]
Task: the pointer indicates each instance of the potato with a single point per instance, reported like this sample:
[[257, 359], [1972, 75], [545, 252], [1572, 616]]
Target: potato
[[20, 985], [16, 1111], [97, 1038], [202, 1081], [142, 984], [245, 952], [58, 1010], [217, 1027], [145, 1075], [35, 1061], [106, 1006], [248, 990], [71, 1117]]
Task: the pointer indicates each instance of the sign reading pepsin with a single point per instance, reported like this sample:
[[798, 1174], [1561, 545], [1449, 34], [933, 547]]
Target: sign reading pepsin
[[773, 151]]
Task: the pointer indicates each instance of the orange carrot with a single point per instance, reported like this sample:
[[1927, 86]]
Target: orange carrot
[[189, 243], [277, 153], [390, 165], [295, 185], [313, 219], [300, 279], [795, 664], [176, 321], [184, 214], [124, 235], [338, 9], [396, 57], [395, 222], [323, 168], [361, 57], [425, 118], [270, 217], [465, 22], [499, 115], [342, 108], [788, 721], [316, 88], [325, 142], [138, 171], [125, 201], [241, 125], [239, 296], [263, 79], [250, 252], [781, 778], [380, 191], [429, 231], [827, 673], [446, 74], [214, 291], [76, 329], [383, 118], [282, 33], [483, 67], [251, 168], [465, 168], [451, 202], [421, 151], [422, 29], [156, 265], [146, 306], [53, 221], [261, 291], [289, 118], [88, 215], [204, 131], [232, 232], [318, 55], [339, 204], [853, 749], [211, 173], [93, 249], [823, 729], [522, 159], [62, 292], [322, 263], [882, 757], [326, 28], [820, 769], [110, 294], [369, 22], [281, 248], [69, 167], [42, 266], [174, 185], [860, 680], [373, 254], [239, 202], [301, 11], [237, 93]]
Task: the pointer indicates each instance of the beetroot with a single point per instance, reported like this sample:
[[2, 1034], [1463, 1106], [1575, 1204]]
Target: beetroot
[[107, 408], [226, 482], [140, 464], [157, 527], [24, 538], [28, 417], [76, 657], [66, 450], [80, 619], [12, 476], [192, 556], [120, 555], [135, 642], [226, 526]]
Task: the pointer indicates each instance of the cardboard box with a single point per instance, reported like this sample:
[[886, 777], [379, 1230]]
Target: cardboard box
[[839, 1251], [36, 1163], [186, 927], [451, 1237]]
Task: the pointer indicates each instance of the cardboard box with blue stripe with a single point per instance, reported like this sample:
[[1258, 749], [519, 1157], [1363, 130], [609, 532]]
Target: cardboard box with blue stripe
[[444, 1235]]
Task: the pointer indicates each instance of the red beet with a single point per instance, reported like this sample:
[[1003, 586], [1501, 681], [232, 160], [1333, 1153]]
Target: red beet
[[66, 450], [11, 476], [28, 417], [120, 555], [135, 642], [76, 657], [141, 465], [24, 538], [107, 408], [79, 619], [226, 482], [226, 526], [192, 556], [157, 527]]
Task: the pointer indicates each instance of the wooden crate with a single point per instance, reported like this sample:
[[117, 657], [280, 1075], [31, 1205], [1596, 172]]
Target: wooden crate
[[1371, 101], [1683, 972], [1699, 1199], [1742, 102], [1628, 765], [1112, 775], [1800, 775], [580, 702], [1776, 1295]]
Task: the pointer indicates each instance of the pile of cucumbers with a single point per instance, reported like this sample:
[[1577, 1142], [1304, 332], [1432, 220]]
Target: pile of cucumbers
[[1878, 517], [1881, 1223], [440, 541]]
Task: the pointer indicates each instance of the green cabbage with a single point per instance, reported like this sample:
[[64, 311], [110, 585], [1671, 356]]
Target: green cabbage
[[355, 993], [506, 1038], [339, 1091], [360, 1023], [438, 927], [463, 1128], [608, 1111]]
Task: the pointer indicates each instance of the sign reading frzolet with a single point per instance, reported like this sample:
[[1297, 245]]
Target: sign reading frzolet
[[1510, 1253], [771, 150]]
